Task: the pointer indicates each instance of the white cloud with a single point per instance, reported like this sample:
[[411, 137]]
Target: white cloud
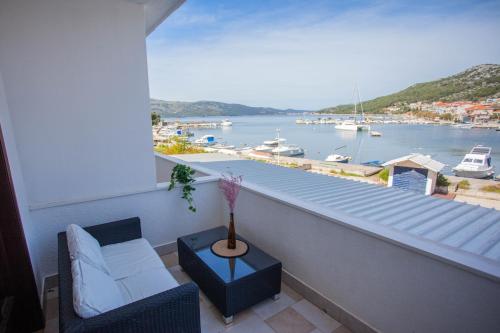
[[314, 62]]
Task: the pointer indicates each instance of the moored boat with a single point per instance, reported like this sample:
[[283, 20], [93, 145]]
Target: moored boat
[[476, 164], [288, 150], [226, 123], [348, 125], [206, 140], [338, 158]]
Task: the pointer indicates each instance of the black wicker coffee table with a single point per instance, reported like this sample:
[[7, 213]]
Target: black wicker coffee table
[[232, 285]]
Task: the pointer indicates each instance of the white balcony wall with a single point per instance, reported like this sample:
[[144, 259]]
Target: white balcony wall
[[164, 169], [390, 287], [164, 216], [75, 78]]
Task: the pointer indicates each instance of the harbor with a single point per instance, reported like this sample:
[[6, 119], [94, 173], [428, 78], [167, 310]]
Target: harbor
[[447, 144]]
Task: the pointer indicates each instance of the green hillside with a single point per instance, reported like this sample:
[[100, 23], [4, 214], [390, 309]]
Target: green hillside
[[208, 108], [475, 83]]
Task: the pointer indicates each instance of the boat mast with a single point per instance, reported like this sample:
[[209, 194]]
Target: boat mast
[[355, 104], [278, 137], [361, 105]]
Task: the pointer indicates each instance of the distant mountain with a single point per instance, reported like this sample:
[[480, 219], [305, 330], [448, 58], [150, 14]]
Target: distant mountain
[[478, 82], [208, 108]]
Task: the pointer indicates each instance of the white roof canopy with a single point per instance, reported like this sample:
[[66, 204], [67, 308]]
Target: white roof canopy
[[156, 11], [423, 160]]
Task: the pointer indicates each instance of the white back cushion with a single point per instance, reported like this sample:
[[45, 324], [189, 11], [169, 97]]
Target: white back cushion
[[131, 257], [83, 246], [94, 292]]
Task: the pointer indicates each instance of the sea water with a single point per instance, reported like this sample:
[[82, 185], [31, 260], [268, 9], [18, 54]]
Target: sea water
[[443, 143]]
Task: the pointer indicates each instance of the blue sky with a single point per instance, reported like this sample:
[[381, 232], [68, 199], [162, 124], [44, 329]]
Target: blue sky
[[310, 54]]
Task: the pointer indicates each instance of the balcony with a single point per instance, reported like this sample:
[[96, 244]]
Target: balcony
[[339, 272], [76, 128]]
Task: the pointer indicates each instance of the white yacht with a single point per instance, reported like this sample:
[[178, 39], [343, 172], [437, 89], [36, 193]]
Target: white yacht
[[348, 125], [206, 140], [288, 150], [338, 158], [355, 125], [226, 123], [476, 164]]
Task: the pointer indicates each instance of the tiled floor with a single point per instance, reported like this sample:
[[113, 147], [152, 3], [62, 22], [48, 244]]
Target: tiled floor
[[290, 314]]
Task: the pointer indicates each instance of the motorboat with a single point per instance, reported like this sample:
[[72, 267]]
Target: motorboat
[[275, 142], [206, 140], [226, 123], [375, 133], [269, 145], [338, 158], [263, 148], [476, 164], [288, 150]]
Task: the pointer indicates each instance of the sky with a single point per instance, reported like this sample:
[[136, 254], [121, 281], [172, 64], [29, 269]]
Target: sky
[[311, 54]]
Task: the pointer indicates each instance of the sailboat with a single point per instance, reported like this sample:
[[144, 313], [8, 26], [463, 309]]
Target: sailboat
[[354, 125]]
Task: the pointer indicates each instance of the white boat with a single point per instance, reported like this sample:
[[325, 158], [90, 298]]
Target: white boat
[[348, 125], [206, 140], [355, 125], [275, 142], [226, 123], [288, 150], [375, 133], [338, 158], [476, 164]]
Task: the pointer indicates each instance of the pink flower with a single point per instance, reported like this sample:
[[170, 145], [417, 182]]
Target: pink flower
[[230, 186]]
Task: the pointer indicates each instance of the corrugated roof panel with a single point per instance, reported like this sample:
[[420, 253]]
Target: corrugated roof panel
[[471, 230], [435, 213], [460, 222], [464, 227], [433, 224]]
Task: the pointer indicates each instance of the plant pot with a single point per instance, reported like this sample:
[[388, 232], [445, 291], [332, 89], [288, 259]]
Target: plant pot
[[231, 234]]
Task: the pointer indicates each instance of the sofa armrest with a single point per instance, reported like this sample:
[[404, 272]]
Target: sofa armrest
[[174, 311], [116, 232]]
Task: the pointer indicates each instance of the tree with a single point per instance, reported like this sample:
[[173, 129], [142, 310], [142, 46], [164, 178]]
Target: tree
[[155, 118]]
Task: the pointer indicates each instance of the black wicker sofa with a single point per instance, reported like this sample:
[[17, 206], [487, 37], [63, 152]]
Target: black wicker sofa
[[175, 310]]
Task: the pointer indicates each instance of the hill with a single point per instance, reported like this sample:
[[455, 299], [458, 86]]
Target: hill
[[208, 108], [478, 82]]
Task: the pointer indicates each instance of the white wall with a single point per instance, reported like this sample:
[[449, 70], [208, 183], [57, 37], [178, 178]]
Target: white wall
[[17, 179], [391, 288], [164, 169], [75, 77], [164, 215]]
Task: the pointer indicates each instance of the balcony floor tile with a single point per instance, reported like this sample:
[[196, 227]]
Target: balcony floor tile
[[291, 313]]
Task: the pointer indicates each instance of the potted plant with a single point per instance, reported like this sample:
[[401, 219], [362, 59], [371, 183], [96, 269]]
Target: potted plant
[[442, 184], [183, 174], [230, 186]]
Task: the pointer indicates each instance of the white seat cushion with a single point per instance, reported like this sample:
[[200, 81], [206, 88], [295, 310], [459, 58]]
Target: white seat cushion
[[146, 283], [94, 292], [130, 258], [83, 246]]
